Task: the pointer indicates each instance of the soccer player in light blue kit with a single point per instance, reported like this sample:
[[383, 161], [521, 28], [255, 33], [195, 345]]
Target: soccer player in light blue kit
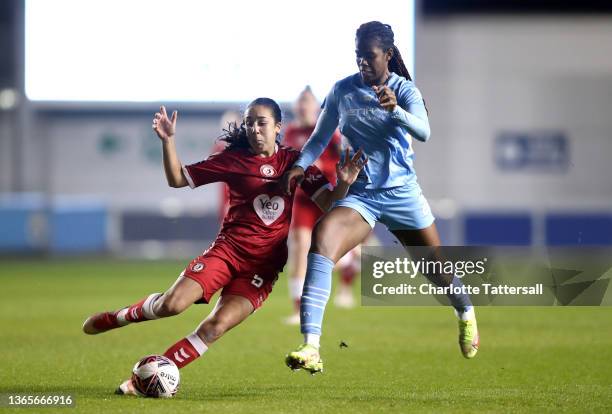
[[378, 110]]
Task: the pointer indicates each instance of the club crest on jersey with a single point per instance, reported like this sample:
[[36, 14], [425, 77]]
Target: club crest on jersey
[[267, 170], [197, 267], [268, 209]]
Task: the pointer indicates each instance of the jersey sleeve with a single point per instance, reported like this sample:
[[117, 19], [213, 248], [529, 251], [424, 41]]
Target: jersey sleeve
[[314, 182], [410, 111], [408, 94], [213, 169]]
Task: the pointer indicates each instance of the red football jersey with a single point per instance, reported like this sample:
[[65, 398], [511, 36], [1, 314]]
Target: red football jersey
[[224, 200], [257, 222]]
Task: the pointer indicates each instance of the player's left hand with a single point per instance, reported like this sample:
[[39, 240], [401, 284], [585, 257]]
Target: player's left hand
[[348, 170], [386, 97]]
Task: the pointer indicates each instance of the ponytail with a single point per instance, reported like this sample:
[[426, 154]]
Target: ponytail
[[397, 65]]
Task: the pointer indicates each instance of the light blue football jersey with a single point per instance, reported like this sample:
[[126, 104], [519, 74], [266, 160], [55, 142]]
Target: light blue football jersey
[[385, 137]]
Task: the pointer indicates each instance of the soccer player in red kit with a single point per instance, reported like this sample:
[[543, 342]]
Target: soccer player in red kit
[[251, 249], [306, 212]]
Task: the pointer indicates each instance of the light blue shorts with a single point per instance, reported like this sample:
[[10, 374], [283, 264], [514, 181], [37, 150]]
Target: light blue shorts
[[399, 208]]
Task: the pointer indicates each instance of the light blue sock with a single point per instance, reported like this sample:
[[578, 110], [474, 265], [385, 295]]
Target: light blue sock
[[317, 287], [461, 302]]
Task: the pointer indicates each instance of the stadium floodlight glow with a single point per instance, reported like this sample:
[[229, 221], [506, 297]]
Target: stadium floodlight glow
[[197, 51]]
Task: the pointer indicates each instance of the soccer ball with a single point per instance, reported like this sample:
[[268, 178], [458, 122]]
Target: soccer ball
[[156, 376]]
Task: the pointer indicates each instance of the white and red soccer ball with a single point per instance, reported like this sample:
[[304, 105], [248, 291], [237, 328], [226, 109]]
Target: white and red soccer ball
[[156, 376]]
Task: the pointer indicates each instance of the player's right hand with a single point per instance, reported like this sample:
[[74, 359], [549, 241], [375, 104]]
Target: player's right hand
[[295, 173], [163, 126]]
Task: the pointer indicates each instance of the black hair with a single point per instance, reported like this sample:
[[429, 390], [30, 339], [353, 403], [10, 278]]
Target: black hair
[[385, 37], [236, 136], [384, 34]]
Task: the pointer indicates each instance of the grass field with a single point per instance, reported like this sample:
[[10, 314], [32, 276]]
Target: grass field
[[398, 359]]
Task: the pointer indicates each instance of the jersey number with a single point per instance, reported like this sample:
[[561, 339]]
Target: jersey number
[[257, 281]]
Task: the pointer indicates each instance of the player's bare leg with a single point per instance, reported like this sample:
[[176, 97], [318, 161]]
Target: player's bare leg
[[182, 294], [339, 231], [469, 338], [229, 311], [299, 245]]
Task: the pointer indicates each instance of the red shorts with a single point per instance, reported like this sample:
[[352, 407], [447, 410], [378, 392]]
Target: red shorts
[[213, 272], [305, 212]]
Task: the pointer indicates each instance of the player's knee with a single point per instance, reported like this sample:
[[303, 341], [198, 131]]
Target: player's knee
[[211, 330], [170, 305], [323, 240]]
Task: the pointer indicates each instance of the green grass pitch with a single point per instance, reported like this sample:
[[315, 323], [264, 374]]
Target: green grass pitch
[[397, 360]]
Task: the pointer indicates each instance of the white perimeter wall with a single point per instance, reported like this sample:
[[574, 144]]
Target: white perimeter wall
[[483, 75]]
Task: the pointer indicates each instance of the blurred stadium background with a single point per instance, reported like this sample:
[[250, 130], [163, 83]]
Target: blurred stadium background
[[519, 102], [519, 99]]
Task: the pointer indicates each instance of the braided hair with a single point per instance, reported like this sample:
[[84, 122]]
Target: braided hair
[[236, 136], [384, 34], [385, 37]]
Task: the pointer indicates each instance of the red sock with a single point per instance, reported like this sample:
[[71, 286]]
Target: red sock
[[186, 350], [347, 274], [138, 312], [134, 313], [296, 305]]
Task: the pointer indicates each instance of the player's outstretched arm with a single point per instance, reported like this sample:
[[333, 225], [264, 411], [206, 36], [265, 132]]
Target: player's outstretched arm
[[347, 173], [165, 128]]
